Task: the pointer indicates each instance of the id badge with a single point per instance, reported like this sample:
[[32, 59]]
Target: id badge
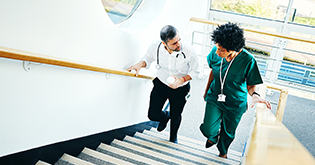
[[221, 97]]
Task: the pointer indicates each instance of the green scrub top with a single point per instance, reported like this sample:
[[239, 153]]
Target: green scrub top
[[243, 71]]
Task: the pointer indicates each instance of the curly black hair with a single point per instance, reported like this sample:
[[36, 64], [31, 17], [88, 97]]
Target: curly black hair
[[230, 36]]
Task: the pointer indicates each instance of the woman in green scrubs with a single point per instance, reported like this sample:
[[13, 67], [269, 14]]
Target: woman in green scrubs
[[234, 73]]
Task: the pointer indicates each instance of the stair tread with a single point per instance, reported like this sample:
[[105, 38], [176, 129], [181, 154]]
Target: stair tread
[[168, 150], [104, 157], [186, 149], [191, 140], [42, 163], [75, 160], [128, 154], [148, 146], [193, 145], [150, 152]]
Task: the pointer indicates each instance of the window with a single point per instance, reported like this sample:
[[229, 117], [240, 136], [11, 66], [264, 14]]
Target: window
[[120, 10], [303, 12], [308, 49], [270, 9]]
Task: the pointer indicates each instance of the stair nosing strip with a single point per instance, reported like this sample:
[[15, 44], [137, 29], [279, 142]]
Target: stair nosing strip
[[104, 157], [216, 158], [152, 153], [169, 150], [128, 154], [41, 163], [75, 160], [193, 140], [189, 144]]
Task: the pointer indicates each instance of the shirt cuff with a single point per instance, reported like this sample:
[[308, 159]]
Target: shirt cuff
[[147, 63]]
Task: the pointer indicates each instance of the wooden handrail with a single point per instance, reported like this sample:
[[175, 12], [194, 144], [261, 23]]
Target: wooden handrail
[[281, 102], [38, 58], [270, 33], [272, 143]]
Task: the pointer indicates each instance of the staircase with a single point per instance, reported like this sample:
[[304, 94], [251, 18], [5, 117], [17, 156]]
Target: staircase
[[149, 147]]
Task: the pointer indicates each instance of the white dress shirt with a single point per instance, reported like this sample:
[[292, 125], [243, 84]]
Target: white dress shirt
[[172, 65]]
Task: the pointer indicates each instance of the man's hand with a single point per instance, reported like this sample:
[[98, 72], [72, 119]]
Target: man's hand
[[137, 67], [257, 99], [176, 83]]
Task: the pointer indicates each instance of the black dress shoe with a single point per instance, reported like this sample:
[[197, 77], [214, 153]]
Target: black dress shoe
[[209, 143], [162, 124], [173, 139]]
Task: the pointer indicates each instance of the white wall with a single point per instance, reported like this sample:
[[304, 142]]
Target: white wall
[[50, 104]]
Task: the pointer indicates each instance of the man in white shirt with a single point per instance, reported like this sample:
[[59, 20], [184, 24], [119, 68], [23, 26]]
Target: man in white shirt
[[177, 64]]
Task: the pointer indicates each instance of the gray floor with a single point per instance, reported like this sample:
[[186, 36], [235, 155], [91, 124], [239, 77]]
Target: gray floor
[[298, 118]]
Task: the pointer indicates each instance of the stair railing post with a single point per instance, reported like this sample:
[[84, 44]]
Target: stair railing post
[[281, 104]]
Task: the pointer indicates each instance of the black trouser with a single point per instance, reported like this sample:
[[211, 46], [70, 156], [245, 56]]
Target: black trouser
[[177, 99]]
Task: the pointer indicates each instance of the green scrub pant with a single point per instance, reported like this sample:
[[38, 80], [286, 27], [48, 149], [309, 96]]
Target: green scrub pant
[[215, 118]]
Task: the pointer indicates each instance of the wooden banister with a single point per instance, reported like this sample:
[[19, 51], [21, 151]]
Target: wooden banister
[[38, 58], [272, 143], [270, 33], [281, 102]]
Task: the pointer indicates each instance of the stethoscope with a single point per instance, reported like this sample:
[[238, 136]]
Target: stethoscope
[[158, 66]]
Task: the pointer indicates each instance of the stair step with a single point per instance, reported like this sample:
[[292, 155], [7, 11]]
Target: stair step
[[194, 141], [144, 126], [149, 147], [72, 160], [100, 157], [134, 158], [192, 151], [187, 143], [150, 153], [168, 151], [42, 163]]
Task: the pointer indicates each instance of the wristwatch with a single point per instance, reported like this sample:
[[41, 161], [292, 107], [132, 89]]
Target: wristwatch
[[255, 93]]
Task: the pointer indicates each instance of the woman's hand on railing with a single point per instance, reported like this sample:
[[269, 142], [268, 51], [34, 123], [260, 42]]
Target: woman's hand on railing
[[258, 99]]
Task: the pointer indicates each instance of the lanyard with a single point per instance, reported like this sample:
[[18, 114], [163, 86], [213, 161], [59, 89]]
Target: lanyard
[[222, 82]]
